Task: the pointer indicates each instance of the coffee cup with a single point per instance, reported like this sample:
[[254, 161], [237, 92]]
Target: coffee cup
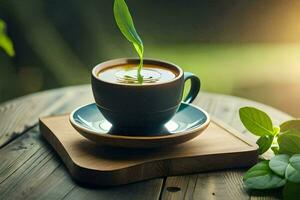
[[129, 105]]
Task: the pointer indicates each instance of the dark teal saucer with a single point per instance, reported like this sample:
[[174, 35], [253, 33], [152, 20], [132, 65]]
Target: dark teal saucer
[[188, 122]]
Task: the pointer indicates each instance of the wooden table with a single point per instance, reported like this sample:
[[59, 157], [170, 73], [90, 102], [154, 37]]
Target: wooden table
[[30, 169]]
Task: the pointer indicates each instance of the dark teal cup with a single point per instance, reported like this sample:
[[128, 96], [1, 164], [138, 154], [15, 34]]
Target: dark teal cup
[[140, 107]]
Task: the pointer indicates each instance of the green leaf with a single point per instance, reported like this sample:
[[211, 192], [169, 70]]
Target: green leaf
[[264, 143], [291, 191], [289, 142], [290, 125], [292, 174], [5, 42], [260, 176], [295, 161], [259, 169], [256, 121], [125, 23], [276, 130], [279, 163], [275, 150]]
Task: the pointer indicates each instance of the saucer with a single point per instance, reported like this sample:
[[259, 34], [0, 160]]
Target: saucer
[[188, 122]]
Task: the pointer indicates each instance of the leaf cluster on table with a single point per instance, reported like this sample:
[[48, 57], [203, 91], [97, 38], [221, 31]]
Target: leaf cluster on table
[[283, 169]]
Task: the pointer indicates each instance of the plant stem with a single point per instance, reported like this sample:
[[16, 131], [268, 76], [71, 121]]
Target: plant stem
[[139, 76]]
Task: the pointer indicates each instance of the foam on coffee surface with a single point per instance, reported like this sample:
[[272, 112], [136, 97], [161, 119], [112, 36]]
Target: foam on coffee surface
[[127, 74]]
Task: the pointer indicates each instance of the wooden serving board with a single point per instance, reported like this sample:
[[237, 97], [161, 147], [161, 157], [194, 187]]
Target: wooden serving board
[[218, 147]]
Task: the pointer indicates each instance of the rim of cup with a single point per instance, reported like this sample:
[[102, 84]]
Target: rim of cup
[[122, 61]]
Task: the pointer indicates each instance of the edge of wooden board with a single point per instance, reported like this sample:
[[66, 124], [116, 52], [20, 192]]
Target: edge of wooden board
[[157, 168]]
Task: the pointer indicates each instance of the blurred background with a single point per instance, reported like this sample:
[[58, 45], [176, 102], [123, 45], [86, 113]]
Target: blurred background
[[247, 48]]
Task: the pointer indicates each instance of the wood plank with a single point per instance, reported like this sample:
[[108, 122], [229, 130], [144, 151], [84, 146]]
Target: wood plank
[[32, 170], [266, 195], [34, 162], [55, 186], [215, 185], [146, 190], [20, 114]]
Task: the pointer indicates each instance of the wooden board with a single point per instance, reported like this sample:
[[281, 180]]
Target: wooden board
[[217, 148]]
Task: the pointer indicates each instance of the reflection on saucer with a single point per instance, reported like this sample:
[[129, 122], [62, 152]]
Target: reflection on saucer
[[105, 125], [169, 128]]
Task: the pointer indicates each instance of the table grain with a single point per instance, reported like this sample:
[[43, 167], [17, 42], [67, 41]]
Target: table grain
[[30, 169]]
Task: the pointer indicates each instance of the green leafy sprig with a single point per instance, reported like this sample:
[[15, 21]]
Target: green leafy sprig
[[283, 169], [5, 42], [125, 23]]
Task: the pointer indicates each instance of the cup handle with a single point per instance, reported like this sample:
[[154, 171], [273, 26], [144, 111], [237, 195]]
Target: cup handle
[[195, 87]]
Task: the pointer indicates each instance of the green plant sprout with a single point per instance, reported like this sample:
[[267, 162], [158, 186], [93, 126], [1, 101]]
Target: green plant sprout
[[5, 42], [126, 26], [283, 169]]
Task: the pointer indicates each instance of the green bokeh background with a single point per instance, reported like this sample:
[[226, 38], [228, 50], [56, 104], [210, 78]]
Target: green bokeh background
[[245, 48]]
